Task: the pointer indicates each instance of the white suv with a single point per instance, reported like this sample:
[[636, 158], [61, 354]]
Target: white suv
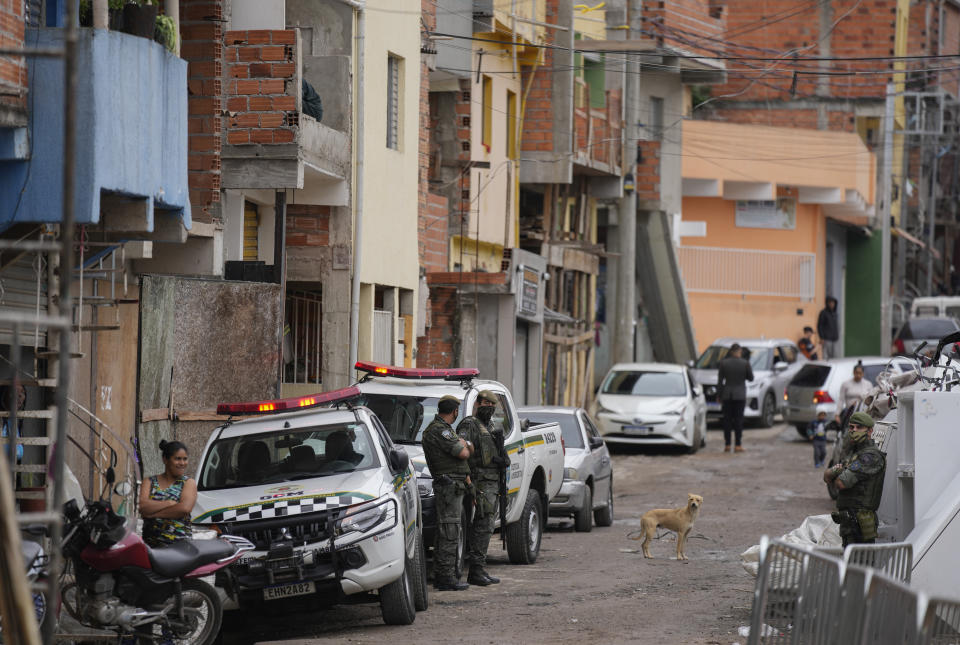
[[326, 497]]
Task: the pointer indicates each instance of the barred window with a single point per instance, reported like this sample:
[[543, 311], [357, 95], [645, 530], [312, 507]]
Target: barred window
[[393, 101]]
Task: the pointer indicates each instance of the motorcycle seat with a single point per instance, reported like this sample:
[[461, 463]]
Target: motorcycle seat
[[180, 558]]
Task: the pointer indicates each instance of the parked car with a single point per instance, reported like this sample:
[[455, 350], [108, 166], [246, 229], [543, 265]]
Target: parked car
[[920, 329], [651, 403], [936, 306], [587, 490], [816, 387], [774, 362]]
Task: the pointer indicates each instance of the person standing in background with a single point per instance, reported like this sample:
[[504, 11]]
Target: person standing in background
[[732, 379], [807, 347], [828, 328]]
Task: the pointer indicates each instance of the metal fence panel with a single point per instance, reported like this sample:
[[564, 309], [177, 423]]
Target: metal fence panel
[[816, 618], [748, 271], [894, 559], [853, 598], [891, 615], [941, 623], [776, 592]]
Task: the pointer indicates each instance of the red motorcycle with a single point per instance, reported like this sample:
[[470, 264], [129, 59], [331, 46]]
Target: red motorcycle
[[120, 584]]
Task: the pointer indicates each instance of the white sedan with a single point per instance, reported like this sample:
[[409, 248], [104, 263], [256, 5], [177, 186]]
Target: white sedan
[[651, 403]]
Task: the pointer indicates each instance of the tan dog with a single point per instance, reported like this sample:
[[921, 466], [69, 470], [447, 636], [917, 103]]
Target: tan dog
[[674, 519]]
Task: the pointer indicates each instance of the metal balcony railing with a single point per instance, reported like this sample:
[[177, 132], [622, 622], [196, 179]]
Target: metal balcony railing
[[748, 272]]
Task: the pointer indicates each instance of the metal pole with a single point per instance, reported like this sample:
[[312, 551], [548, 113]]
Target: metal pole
[[66, 275], [358, 128], [932, 216], [886, 195]]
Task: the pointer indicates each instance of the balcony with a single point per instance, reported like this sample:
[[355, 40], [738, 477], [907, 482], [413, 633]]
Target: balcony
[[270, 143], [131, 148], [597, 130]]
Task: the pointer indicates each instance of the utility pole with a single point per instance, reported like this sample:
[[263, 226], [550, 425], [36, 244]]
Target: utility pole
[[886, 196], [624, 331]]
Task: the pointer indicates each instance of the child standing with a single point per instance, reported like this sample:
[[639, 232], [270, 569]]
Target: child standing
[[817, 432]]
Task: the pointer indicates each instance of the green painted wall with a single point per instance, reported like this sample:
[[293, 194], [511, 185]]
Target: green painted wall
[[861, 311]]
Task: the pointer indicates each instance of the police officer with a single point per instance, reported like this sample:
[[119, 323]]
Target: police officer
[[446, 456], [486, 464], [859, 482]]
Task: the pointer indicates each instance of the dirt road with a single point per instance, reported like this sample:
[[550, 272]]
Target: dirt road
[[594, 587]]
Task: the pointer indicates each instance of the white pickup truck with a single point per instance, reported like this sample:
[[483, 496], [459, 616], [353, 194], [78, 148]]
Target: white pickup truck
[[405, 400]]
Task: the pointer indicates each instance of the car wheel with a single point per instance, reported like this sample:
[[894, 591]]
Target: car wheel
[[801, 430], [604, 516], [583, 520], [696, 443], [768, 411], [421, 598], [397, 602], [523, 536]]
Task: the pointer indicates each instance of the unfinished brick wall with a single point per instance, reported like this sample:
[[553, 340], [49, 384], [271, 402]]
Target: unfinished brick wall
[[202, 47], [694, 26], [538, 116], [434, 237], [648, 171], [13, 70], [837, 117], [438, 348], [260, 88], [308, 225]]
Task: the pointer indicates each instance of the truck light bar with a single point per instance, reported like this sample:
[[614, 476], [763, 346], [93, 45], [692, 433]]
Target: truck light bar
[[449, 374], [284, 405]]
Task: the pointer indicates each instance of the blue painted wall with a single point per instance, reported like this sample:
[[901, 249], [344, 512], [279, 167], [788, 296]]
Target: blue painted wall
[[131, 131]]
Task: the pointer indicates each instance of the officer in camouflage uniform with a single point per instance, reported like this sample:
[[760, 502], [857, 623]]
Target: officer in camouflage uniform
[[446, 456], [859, 482], [486, 464]]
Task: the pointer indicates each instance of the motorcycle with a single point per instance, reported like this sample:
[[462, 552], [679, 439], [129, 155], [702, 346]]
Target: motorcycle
[[141, 593]]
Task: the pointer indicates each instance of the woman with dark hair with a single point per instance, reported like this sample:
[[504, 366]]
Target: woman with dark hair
[[167, 499]]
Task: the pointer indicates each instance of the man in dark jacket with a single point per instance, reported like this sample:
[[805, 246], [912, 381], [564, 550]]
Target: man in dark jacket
[[732, 379], [828, 329]]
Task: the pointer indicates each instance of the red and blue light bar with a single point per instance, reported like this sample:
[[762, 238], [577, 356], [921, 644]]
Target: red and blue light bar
[[448, 374], [286, 405]]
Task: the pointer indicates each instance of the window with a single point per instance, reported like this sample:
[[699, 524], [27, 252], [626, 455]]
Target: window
[[501, 416], [569, 428], [640, 383], [787, 354], [302, 337], [511, 125], [487, 107], [393, 101], [656, 118]]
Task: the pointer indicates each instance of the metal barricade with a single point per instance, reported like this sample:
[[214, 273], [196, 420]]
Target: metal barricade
[[891, 616], [776, 592], [853, 605], [941, 623], [816, 617], [894, 559]]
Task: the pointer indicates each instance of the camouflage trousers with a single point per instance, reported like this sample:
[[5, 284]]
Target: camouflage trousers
[[449, 500], [851, 531], [481, 527]]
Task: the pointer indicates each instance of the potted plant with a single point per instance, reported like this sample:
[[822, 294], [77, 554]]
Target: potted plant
[[165, 33], [115, 8], [140, 18]]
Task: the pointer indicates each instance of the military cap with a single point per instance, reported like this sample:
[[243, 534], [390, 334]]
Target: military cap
[[862, 418], [449, 397], [487, 395]]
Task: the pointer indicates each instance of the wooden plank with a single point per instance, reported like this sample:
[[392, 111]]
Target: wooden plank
[[29, 441], [549, 203], [567, 341], [200, 415], [156, 414], [31, 414]]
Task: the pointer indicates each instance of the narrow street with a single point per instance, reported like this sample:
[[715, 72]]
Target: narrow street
[[597, 587]]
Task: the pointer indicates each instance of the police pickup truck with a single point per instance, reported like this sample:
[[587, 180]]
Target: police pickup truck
[[405, 399], [327, 498]]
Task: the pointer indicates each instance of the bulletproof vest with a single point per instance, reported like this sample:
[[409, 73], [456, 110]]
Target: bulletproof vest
[[485, 448], [436, 452], [867, 491]]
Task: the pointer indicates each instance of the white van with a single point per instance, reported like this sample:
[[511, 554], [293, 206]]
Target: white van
[[936, 306]]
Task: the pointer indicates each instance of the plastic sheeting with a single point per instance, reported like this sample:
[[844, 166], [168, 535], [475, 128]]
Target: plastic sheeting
[[815, 531]]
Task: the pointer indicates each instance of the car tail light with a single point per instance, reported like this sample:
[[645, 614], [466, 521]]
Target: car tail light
[[450, 374], [786, 397], [899, 346], [822, 396], [284, 405]]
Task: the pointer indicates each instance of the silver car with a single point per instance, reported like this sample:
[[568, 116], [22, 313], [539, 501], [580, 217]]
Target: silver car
[[587, 490], [923, 329], [816, 387], [774, 362]]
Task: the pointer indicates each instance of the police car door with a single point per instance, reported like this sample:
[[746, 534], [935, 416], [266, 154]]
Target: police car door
[[405, 487]]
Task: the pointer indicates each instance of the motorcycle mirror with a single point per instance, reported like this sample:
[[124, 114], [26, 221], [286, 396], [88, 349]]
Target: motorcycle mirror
[[110, 476], [123, 489]]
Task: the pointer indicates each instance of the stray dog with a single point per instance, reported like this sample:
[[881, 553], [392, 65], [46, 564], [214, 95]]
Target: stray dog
[[674, 519]]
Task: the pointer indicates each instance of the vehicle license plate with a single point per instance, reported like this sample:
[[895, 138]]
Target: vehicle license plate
[[286, 591], [637, 430]]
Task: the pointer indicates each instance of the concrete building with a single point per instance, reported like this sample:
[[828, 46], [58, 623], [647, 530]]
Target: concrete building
[[756, 261]]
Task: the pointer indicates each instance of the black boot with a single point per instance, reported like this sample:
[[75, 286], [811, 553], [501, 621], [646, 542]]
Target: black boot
[[449, 583], [481, 578]]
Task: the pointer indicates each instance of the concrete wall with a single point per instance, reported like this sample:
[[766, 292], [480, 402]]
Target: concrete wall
[[204, 342], [669, 88], [132, 134], [453, 58]]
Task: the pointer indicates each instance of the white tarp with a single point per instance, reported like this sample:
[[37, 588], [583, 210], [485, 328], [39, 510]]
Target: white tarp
[[815, 531]]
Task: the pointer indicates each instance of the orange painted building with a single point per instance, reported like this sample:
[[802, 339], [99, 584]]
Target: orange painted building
[[753, 229]]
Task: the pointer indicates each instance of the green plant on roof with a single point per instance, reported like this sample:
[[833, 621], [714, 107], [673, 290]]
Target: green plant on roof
[[165, 32]]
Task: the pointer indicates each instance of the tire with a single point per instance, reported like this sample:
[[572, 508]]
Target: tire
[[604, 516], [396, 601], [696, 443], [802, 431], [204, 612], [421, 598], [523, 536], [768, 411], [583, 520]]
